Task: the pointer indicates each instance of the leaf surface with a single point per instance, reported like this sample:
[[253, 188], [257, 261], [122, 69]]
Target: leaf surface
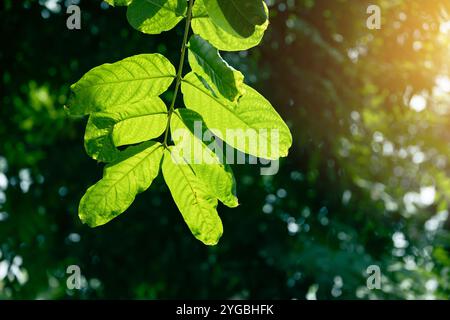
[[188, 129], [115, 3], [203, 25], [140, 122], [251, 126], [155, 16], [237, 17], [131, 174], [193, 198], [206, 61], [125, 82], [130, 124]]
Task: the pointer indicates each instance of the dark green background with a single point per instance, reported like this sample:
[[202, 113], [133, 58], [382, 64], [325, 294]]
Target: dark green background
[[350, 197]]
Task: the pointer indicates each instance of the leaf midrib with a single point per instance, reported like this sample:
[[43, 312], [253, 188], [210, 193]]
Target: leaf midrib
[[240, 12], [133, 168], [218, 79], [187, 180], [125, 81], [219, 102], [139, 116]]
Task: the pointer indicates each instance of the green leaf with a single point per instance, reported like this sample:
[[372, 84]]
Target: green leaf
[[193, 199], [131, 174], [155, 16], [237, 17], [206, 61], [115, 3], [188, 130], [114, 86], [203, 25], [138, 122], [98, 141], [251, 126]]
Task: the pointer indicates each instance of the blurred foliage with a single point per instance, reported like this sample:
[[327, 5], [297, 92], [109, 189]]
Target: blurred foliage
[[367, 182]]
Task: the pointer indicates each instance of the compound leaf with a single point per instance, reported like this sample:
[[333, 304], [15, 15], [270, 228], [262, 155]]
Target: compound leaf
[[206, 61], [251, 126], [131, 173], [155, 16], [124, 108], [116, 85], [193, 198]]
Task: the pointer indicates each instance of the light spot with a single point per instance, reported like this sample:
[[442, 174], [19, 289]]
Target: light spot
[[445, 27], [74, 237], [293, 228], [418, 157], [443, 83], [3, 181], [25, 180], [418, 103], [435, 222], [3, 216], [312, 292], [398, 238], [4, 266], [431, 285], [346, 197], [281, 193], [267, 208], [427, 195]]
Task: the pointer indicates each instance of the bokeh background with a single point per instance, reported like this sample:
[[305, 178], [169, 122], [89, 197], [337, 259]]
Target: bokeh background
[[367, 181]]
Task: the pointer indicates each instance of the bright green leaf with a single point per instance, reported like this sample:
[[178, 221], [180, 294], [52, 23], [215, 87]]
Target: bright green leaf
[[131, 174], [155, 16], [140, 122], [251, 126], [237, 17], [118, 2], [206, 61], [132, 124], [204, 26], [193, 199], [122, 83], [98, 137], [188, 130]]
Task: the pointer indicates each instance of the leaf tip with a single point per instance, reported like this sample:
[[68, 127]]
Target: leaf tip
[[211, 241], [88, 219], [232, 202]]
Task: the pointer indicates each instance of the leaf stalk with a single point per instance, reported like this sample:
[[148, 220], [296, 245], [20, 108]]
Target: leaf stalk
[[180, 69]]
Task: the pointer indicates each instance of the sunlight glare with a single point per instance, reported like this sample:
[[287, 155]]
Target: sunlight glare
[[418, 103]]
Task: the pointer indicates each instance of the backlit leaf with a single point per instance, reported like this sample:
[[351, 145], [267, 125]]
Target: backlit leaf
[[155, 16], [140, 122], [237, 17], [193, 198], [131, 174], [203, 25], [130, 124], [127, 81], [188, 130], [206, 61], [251, 126], [118, 2]]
